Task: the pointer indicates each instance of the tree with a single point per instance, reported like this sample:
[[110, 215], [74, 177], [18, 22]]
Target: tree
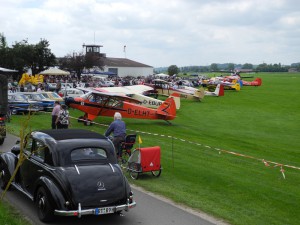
[[247, 66], [214, 67], [4, 51], [230, 66], [22, 55], [42, 56], [75, 62], [78, 61], [173, 69]]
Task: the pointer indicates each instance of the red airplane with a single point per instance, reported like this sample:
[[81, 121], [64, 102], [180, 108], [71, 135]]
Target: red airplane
[[95, 103], [256, 82]]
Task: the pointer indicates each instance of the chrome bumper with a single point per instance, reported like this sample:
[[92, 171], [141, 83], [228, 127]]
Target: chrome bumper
[[81, 212]]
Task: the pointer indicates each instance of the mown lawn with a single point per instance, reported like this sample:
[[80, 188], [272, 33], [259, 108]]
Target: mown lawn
[[9, 216], [260, 122]]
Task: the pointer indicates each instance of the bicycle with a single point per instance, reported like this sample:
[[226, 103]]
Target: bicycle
[[126, 147]]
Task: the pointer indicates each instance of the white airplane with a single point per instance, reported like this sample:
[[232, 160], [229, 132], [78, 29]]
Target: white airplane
[[219, 91], [137, 92]]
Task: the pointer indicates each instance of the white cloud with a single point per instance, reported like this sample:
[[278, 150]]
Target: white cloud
[[157, 33]]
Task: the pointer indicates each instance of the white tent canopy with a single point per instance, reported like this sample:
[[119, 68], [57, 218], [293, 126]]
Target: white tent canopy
[[7, 70], [162, 75], [54, 71]]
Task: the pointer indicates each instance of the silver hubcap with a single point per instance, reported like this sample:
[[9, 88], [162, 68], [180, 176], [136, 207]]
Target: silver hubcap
[[42, 202]]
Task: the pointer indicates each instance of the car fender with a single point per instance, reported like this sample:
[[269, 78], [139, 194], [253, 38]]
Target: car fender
[[10, 160], [53, 190]]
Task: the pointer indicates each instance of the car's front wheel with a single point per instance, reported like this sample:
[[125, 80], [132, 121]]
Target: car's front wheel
[[4, 175], [44, 206], [1, 141]]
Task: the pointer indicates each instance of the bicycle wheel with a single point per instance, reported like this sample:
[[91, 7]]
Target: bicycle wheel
[[133, 171], [156, 173], [124, 159]]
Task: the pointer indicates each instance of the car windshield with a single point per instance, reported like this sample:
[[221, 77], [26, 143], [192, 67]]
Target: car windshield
[[45, 95], [40, 96], [55, 95], [35, 97], [88, 154], [21, 98]]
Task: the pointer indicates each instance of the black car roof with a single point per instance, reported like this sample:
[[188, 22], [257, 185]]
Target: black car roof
[[63, 134]]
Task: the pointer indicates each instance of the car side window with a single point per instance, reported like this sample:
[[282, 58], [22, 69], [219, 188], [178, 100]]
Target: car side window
[[39, 150], [28, 144]]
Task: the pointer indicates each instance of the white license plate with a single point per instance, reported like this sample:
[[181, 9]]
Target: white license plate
[[104, 210]]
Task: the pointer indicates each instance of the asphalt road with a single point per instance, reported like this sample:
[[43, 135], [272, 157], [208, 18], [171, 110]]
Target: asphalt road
[[150, 209]]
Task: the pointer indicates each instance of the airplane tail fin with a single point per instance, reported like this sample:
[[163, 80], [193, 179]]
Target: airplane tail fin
[[167, 110], [176, 97], [199, 93], [236, 86], [219, 90], [259, 81]]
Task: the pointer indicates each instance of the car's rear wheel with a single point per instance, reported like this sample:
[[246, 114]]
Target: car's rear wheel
[[44, 205], [4, 175]]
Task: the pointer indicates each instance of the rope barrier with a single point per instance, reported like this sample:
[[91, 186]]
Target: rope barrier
[[266, 162]]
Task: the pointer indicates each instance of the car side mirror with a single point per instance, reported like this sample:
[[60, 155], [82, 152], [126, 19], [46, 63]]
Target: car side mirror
[[16, 150]]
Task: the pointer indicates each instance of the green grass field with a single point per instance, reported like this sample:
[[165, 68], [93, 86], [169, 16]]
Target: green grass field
[[260, 122]]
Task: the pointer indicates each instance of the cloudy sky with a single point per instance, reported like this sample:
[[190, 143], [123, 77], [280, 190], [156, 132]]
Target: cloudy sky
[[161, 33]]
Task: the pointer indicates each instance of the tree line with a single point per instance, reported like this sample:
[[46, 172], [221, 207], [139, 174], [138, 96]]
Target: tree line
[[22, 56], [214, 67]]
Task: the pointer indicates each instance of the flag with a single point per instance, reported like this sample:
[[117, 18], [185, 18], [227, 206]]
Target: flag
[[140, 140]]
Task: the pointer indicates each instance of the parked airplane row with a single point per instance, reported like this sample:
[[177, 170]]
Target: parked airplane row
[[133, 101]]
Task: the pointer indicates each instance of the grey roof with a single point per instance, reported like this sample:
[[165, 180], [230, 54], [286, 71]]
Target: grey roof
[[63, 134], [122, 62]]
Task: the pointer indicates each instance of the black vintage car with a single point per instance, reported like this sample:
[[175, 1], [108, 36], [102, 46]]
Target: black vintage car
[[68, 172]]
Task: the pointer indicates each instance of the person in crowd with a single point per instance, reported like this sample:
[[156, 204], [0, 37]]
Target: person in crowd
[[58, 87], [46, 86], [63, 118], [118, 128], [22, 88], [55, 112], [39, 89]]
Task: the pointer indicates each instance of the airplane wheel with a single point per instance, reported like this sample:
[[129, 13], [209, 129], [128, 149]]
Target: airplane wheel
[[80, 119], [88, 122]]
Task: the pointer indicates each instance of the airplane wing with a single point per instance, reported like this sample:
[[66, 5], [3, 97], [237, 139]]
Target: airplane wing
[[115, 95], [139, 88], [119, 90], [126, 89]]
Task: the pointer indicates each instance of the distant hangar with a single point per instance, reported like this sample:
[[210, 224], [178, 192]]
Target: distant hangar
[[125, 67], [121, 67]]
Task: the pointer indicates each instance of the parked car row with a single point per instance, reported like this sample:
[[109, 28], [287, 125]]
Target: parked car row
[[70, 92], [26, 102]]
